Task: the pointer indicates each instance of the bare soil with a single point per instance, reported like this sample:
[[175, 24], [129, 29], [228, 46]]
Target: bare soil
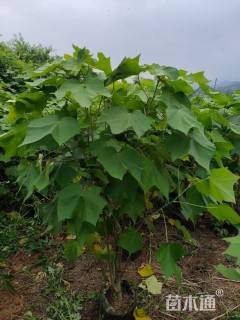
[[199, 277]]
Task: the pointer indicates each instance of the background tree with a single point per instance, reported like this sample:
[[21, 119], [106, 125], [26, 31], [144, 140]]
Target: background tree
[[34, 55], [17, 56]]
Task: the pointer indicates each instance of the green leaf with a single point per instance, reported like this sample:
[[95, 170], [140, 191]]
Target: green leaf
[[181, 85], [234, 248], [126, 195], [201, 149], [27, 174], [119, 190], [203, 187], [52, 81], [103, 63], [83, 92], [120, 120], [177, 99], [128, 67], [30, 102], [200, 79], [222, 146], [72, 250], [134, 206], [50, 217], [42, 180], [113, 162], [11, 140], [221, 184], [61, 130], [192, 204], [98, 145], [230, 273], [224, 212], [3, 190], [46, 143], [33, 177], [118, 163], [234, 122], [170, 72], [155, 175], [75, 63], [65, 173], [215, 115], [185, 232], [178, 144], [86, 203], [182, 119], [131, 240], [46, 68], [167, 255]]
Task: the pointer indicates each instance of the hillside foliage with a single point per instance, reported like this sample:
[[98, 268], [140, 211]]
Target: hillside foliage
[[102, 151]]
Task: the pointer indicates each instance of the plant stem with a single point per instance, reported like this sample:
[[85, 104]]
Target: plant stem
[[150, 248], [165, 224], [108, 250], [105, 278], [126, 264], [155, 91], [139, 82]]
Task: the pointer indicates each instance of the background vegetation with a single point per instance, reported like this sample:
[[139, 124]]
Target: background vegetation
[[98, 154]]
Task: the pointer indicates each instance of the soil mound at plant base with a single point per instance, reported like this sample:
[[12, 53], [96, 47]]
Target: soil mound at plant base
[[118, 309]]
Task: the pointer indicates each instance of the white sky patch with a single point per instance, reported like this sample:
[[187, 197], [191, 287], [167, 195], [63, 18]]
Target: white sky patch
[[194, 35]]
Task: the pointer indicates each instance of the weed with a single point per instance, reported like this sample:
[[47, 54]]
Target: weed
[[234, 316], [63, 305], [20, 234], [223, 228], [29, 316], [6, 280]]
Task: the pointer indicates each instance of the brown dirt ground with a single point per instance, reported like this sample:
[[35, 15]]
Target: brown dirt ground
[[198, 276]]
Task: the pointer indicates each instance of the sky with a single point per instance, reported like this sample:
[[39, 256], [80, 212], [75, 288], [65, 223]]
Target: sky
[[194, 35]]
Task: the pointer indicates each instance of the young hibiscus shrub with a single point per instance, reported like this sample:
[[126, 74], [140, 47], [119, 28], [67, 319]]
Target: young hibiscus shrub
[[99, 148]]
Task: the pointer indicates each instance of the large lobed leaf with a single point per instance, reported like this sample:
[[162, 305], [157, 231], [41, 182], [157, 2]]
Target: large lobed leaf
[[155, 175], [219, 185], [201, 149], [195, 144], [86, 203], [224, 212], [127, 67], [120, 120], [182, 119], [83, 92], [118, 163], [168, 255], [60, 129], [131, 240]]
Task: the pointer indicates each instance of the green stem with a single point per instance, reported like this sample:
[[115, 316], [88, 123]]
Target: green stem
[[139, 82], [155, 91], [193, 205], [165, 225]]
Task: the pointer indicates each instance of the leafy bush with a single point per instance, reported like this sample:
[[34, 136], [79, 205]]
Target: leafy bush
[[98, 149], [18, 56], [35, 55]]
